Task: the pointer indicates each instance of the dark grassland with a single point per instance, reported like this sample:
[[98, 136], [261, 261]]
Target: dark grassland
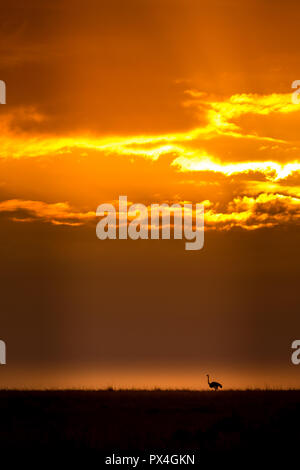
[[248, 423]]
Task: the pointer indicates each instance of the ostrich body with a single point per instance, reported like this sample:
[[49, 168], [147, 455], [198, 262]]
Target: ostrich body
[[214, 385]]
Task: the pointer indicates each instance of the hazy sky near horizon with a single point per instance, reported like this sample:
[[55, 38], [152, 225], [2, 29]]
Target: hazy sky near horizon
[[162, 101]]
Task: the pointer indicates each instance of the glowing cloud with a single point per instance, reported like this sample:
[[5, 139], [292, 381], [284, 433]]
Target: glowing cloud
[[271, 170]]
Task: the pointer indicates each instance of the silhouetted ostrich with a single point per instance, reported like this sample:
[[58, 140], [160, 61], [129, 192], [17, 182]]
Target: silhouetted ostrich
[[214, 385]]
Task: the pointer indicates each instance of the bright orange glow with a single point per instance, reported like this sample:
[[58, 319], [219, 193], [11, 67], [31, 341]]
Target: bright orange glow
[[164, 101]]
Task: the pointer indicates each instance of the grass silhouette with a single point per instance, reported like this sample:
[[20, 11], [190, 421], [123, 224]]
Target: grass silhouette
[[139, 421]]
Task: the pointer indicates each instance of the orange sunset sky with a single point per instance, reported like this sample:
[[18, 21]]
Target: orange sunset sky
[[162, 101]]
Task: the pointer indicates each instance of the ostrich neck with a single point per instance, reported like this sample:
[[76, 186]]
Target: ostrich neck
[[208, 378]]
